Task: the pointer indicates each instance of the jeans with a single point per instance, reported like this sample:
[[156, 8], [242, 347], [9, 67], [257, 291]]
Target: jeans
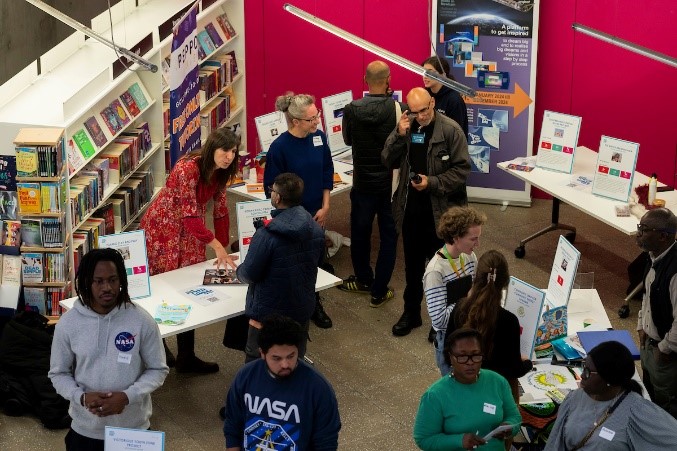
[[420, 242], [364, 207], [251, 350], [444, 367]]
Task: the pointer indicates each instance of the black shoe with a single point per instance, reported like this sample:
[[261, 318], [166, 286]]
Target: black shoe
[[320, 317], [13, 408], [222, 413], [194, 365], [432, 335], [407, 322]]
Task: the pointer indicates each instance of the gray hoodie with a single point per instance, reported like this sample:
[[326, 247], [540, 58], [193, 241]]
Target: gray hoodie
[[119, 351]]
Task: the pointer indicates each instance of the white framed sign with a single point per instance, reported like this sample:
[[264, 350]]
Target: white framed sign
[[132, 246]]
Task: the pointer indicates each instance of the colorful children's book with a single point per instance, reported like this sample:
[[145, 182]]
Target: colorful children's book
[[34, 298], [9, 204], [32, 269], [139, 97], [26, 161], [11, 233], [120, 112], [7, 173], [111, 119], [130, 103], [95, 131], [31, 232], [29, 197], [214, 34], [84, 144], [206, 42]]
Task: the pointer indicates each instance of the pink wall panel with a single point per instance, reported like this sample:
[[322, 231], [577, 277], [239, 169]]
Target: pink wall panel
[[617, 93]]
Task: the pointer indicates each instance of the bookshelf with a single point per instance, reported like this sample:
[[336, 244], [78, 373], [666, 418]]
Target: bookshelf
[[80, 88]]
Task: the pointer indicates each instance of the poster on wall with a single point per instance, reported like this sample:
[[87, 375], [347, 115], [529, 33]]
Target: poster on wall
[[558, 141], [333, 123], [615, 168], [490, 46], [184, 89]]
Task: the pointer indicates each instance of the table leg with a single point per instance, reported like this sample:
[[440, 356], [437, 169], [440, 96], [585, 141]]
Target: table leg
[[520, 252]]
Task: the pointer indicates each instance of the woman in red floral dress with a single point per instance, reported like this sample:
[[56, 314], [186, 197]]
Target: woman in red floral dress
[[176, 233]]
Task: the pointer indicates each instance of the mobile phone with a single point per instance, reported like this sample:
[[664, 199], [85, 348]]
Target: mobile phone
[[414, 177]]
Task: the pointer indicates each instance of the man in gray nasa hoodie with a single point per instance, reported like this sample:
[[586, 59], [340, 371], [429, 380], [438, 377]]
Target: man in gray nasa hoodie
[[107, 354]]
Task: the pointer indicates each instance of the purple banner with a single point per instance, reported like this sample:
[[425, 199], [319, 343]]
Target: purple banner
[[184, 96]]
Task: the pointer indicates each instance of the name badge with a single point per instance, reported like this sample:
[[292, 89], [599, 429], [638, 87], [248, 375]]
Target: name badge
[[124, 357], [607, 434], [317, 141], [489, 408], [418, 138]]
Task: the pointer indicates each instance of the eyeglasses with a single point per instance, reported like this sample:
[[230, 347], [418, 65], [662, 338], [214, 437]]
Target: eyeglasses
[[272, 189], [475, 358], [585, 374], [312, 119], [419, 112], [641, 228]]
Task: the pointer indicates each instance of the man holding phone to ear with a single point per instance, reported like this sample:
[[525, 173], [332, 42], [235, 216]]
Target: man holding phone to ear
[[431, 152]]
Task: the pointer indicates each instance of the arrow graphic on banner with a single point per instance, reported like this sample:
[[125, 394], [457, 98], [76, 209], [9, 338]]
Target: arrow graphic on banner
[[519, 100]]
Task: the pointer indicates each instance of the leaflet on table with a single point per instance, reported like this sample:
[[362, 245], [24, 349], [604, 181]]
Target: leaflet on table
[[615, 168], [118, 439], [558, 141], [522, 164], [332, 107], [171, 314], [249, 215], [581, 182], [525, 302], [269, 127], [132, 247], [545, 377], [204, 295], [563, 274]]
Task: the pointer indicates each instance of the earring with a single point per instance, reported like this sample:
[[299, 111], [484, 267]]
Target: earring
[[608, 385]]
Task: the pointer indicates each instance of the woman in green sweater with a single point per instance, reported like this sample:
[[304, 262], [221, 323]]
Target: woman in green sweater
[[461, 409]]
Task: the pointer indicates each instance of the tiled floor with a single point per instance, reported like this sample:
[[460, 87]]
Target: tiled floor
[[378, 378]]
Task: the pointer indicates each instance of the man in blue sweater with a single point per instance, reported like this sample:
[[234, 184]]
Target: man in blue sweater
[[279, 401]]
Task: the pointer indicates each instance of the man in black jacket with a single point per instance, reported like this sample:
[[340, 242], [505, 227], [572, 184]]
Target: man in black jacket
[[367, 122]]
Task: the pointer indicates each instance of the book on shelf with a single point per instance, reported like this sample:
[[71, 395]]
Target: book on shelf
[[9, 204], [8, 173], [31, 232], [54, 296], [206, 42], [29, 197], [120, 112], [53, 232], [145, 135], [120, 160], [32, 269], [214, 34], [130, 104], [83, 143], [138, 95], [53, 195], [106, 213], [11, 233], [55, 267], [35, 299], [95, 131], [111, 120], [11, 270], [226, 26], [102, 167], [26, 161], [120, 211]]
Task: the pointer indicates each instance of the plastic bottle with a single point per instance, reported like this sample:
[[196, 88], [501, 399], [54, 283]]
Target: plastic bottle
[[652, 189]]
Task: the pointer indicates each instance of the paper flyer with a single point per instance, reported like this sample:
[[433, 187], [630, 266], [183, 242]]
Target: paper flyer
[[563, 274], [204, 295], [171, 315], [118, 439], [132, 246], [525, 302], [332, 108], [615, 168], [558, 141], [545, 377], [269, 127], [247, 214]]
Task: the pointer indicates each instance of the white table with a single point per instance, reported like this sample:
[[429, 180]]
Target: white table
[[341, 168], [167, 287], [603, 209]]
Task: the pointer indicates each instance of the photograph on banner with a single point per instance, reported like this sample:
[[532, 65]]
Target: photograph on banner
[[332, 107], [490, 47], [563, 274], [558, 141], [250, 216], [269, 127], [118, 439], [184, 89], [615, 168], [525, 302], [132, 247]]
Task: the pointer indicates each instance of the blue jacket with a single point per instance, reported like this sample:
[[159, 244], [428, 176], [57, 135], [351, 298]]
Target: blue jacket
[[281, 266]]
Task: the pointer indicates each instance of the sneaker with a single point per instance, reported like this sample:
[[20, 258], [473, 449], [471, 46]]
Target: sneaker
[[353, 285], [379, 301]]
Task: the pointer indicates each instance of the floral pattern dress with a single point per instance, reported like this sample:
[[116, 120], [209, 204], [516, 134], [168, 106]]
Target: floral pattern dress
[[176, 233]]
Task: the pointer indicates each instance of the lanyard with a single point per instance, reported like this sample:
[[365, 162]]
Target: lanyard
[[451, 261]]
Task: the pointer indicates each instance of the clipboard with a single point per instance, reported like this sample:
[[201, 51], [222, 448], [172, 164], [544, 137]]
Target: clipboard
[[457, 289]]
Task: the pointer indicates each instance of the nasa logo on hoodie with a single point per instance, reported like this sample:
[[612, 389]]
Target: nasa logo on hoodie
[[124, 341]]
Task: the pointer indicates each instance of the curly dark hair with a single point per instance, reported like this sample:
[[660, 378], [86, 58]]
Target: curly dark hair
[[85, 276]]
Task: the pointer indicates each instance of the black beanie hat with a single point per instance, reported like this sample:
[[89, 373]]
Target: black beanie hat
[[614, 362]]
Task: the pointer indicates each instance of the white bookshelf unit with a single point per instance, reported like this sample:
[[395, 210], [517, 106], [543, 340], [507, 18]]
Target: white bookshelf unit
[[80, 78]]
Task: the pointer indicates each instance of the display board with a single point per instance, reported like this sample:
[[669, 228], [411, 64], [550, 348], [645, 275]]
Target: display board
[[491, 47]]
